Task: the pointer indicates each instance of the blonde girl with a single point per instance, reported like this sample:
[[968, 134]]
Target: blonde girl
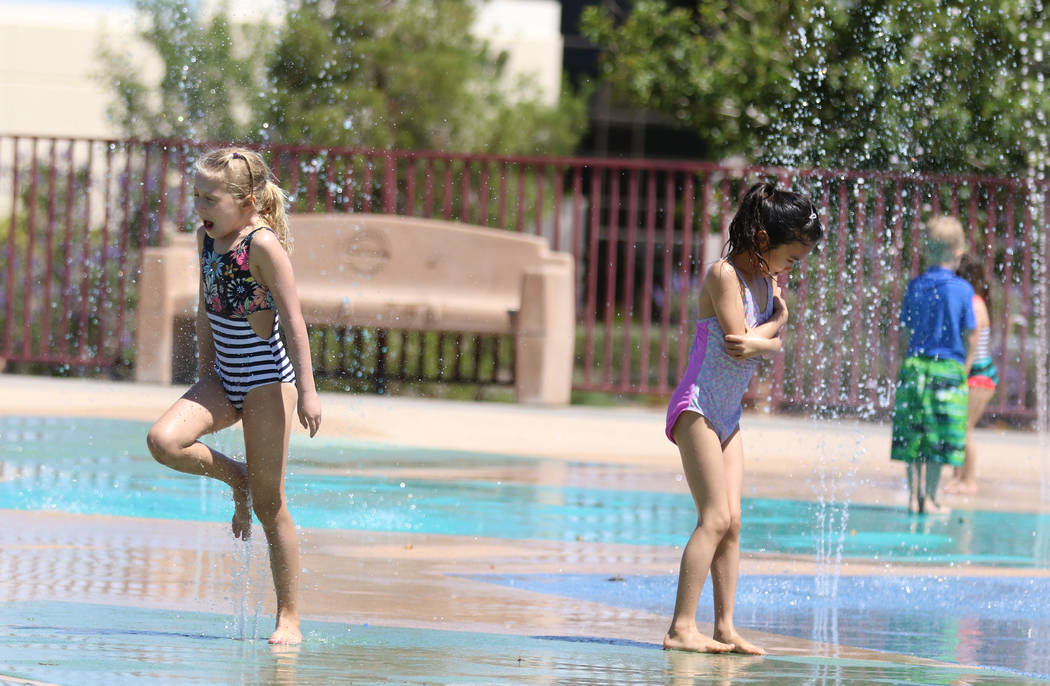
[[247, 290]]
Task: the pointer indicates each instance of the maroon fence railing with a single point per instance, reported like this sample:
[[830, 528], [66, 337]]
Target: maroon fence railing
[[74, 213]]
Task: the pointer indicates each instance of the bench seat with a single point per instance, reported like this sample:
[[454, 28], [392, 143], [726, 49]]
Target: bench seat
[[409, 310]]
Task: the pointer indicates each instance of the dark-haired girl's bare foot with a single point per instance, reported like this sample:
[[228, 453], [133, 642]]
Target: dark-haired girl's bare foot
[[739, 643], [694, 641]]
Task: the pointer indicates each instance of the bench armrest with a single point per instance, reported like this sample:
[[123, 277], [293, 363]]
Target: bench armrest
[[167, 289], [546, 327]]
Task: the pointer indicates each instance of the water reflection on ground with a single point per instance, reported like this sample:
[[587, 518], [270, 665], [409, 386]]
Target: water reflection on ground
[[87, 645], [100, 467], [998, 621]]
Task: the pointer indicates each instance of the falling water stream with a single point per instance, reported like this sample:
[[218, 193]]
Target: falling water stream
[[800, 142], [249, 570]]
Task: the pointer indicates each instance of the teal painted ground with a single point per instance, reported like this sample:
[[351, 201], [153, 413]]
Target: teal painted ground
[[101, 467]]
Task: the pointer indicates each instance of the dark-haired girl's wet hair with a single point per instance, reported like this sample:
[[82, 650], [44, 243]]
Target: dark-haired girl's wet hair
[[971, 269], [785, 216]]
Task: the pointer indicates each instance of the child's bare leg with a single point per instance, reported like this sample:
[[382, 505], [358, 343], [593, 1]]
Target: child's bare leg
[[933, 480], [173, 441], [725, 566], [702, 462], [267, 421], [965, 481], [915, 487]]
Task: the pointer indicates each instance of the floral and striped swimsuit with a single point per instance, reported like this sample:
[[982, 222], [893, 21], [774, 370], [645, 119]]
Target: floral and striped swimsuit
[[243, 360], [714, 383]]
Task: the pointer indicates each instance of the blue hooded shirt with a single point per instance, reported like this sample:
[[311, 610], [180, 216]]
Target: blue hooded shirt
[[937, 309]]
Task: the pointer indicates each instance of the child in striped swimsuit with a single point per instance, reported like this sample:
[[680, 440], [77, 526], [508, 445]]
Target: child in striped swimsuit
[[741, 315], [245, 373], [983, 377]]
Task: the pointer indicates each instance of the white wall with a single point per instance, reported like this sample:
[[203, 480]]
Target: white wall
[[530, 32], [49, 54]]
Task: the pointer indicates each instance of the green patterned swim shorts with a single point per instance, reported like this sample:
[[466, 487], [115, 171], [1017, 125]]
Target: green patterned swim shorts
[[929, 415]]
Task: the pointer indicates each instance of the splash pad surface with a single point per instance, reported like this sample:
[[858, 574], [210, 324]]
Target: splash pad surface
[[426, 564]]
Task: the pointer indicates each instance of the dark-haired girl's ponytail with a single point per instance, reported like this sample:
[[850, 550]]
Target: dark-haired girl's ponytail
[[746, 223]]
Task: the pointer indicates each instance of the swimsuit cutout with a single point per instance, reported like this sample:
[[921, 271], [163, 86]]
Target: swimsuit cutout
[[714, 383], [243, 360]]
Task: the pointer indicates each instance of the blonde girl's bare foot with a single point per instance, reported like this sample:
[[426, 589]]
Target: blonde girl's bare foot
[[694, 641], [287, 633], [242, 512], [914, 505], [739, 643]]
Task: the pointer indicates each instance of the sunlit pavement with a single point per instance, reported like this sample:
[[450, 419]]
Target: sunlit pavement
[[427, 581]]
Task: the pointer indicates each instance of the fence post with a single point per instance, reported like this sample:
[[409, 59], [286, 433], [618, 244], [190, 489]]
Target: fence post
[[390, 183]]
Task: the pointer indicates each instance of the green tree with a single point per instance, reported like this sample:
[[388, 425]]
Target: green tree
[[211, 74], [406, 74], [921, 85], [353, 73]]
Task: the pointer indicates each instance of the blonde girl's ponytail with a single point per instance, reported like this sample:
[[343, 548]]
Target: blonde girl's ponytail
[[247, 176], [272, 205]]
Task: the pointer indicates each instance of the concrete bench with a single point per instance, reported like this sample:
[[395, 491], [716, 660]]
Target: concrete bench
[[394, 272]]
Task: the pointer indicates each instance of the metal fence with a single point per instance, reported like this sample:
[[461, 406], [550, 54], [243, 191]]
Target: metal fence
[[74, 213]]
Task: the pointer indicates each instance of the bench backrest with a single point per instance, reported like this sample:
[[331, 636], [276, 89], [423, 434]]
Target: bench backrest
[[390, 252]]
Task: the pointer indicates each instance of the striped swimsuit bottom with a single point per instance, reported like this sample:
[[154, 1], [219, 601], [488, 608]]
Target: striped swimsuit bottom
[[244, 361]]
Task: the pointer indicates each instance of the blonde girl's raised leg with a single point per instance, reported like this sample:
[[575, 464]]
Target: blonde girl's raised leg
[[702, 462], [173, 441], [267, 419], [725, 565]]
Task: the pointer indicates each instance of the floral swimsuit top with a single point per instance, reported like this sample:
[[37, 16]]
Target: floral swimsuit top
[[230, 290]]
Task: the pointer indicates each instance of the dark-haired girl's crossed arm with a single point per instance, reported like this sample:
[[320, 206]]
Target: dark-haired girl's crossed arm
[[764, 338]]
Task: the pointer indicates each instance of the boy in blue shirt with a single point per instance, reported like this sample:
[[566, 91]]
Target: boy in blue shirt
[[929, 416]]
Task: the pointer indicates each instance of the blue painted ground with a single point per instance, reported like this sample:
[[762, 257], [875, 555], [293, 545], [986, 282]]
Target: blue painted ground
[[91, 645], [101, 467], [1001, 622]]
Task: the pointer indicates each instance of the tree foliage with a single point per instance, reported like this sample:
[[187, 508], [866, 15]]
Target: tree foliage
[[354, 73], [210, 78], [916, 85]]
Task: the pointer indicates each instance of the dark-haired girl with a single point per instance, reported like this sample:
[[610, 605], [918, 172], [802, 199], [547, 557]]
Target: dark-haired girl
[[741, 314]]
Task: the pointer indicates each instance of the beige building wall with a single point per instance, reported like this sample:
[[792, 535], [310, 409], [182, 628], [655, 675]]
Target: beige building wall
[[529, 31], [49, 56]]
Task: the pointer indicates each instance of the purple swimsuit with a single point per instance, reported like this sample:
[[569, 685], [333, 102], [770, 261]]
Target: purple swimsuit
[[714, 383]]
